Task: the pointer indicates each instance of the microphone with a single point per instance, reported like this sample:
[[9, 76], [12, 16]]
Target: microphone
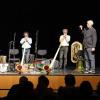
[[81, 27], [11, 41]]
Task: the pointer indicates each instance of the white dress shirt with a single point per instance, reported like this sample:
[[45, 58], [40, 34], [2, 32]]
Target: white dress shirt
[[26, 42], [64, 40]]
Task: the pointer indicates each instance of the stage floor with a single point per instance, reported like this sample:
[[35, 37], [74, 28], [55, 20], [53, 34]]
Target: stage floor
[[57, 72]]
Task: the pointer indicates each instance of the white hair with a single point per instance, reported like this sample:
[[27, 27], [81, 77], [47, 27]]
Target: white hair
[[90, 22]]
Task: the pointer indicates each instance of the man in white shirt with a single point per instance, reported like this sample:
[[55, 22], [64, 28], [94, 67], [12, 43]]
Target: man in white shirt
[[26, 44], [64, 41]]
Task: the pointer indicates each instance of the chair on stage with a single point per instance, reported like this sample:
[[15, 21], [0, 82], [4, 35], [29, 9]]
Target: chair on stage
[[12, 55], [42, 52]]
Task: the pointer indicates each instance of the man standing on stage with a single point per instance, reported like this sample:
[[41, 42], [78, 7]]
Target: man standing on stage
[[26, 44], [64, 41], [89, 43]]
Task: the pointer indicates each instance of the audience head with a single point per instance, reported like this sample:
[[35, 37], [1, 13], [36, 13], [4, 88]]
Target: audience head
[[23, 79], [70, 80], [98, 88], [86, 88], [43, 81]]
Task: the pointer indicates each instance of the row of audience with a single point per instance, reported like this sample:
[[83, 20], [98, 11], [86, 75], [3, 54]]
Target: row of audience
[[25, 90]]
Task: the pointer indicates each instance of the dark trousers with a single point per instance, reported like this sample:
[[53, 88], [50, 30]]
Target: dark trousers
[[89, 59], [63, 56], [26, 55]]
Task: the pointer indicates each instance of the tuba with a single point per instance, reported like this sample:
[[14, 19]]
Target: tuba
[[76, 54]]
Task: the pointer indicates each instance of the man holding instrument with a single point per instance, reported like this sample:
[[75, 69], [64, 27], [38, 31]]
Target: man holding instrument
[[26, 44], [64, 42]]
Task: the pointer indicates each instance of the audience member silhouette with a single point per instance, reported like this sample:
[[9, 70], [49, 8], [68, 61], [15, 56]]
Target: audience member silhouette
[[25, 90], [12, 94], [22, 91], [98, 89], [42, 90], [69, 91], [86, 89]]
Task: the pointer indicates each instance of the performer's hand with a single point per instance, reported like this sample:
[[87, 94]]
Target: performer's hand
[[64, 37], [81, 27], [93, 49], [25, 39]]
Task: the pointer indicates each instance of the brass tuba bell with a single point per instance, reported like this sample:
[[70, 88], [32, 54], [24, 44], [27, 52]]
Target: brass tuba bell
[[76, 47]]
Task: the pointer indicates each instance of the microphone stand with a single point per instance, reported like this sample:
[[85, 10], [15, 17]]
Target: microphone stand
[[10, 43], [14, 42], [36, 43]]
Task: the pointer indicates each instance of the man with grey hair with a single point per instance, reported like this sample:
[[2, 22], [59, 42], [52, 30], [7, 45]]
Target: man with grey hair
[[89, 43]]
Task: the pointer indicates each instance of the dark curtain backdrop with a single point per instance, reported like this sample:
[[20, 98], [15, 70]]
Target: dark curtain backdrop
[[49, 18]]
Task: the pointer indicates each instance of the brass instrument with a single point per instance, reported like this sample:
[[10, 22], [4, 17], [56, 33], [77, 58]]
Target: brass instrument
[[76, 48], [3, 59]]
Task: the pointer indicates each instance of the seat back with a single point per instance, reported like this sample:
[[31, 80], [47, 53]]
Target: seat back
[[42, 52], [13, 51]]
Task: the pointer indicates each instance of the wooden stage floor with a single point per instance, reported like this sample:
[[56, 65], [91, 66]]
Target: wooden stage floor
[[56, 79]]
